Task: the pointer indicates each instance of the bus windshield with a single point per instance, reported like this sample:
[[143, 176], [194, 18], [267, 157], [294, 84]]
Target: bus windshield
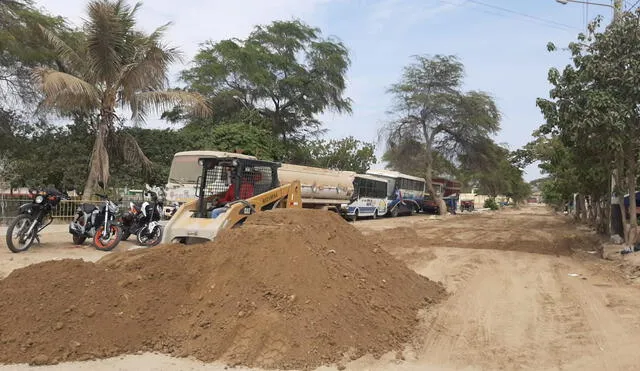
[[369, 188], [185, 169]]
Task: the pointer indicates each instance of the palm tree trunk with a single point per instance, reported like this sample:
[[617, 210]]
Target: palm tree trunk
[[99, 164]]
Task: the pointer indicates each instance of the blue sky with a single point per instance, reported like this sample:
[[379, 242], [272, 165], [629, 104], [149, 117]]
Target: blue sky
[[501, 43]]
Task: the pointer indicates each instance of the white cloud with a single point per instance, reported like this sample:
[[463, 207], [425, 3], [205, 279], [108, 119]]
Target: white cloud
[[405, 13]]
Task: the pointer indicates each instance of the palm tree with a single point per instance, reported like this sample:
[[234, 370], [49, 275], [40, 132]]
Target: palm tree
[[112, 66]]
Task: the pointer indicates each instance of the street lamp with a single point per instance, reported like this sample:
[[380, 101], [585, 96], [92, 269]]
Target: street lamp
[[617, 5]]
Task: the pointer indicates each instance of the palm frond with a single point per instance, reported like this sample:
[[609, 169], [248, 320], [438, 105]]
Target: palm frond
[[64, 90], [106, 31], [161, 101], [132, 152], [62, 49], [148, 71]]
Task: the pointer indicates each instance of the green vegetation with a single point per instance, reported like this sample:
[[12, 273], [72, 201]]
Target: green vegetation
[[261, 96], [438, 128], [592, 123], [490, 203]]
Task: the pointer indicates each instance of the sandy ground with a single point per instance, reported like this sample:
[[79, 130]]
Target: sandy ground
[[528, 291], [55, 244]]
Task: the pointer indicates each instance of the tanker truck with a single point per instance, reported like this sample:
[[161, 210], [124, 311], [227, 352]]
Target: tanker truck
[[320, 188]]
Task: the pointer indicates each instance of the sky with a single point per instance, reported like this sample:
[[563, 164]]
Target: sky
[[502, 44]]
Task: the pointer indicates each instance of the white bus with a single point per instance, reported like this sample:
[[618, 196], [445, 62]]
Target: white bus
[[405, 193], [369, 198]]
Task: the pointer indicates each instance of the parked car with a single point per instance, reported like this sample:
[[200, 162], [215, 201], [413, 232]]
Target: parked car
[[429, 205]]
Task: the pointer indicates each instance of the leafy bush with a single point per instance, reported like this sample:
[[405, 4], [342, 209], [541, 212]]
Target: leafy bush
[[490, 203]]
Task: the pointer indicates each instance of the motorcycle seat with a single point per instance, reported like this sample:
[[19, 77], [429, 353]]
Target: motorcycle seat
[[88, 208]]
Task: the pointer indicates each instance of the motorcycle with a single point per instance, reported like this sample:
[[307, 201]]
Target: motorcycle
[[130, 220], [467, 206], [150, 230], [97, 223], [33, 217]]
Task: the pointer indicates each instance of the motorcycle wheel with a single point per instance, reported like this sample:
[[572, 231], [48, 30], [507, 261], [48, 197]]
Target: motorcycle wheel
[[20, 225], [78, 240], [149, 239], [111, 243]]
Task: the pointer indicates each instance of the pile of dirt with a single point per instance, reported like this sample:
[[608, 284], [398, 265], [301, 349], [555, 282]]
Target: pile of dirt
[[290, 289]]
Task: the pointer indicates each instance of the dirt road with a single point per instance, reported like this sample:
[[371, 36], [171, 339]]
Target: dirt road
[[527, 291]]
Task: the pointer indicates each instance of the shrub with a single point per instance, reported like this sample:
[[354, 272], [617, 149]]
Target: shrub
[[490, 203]]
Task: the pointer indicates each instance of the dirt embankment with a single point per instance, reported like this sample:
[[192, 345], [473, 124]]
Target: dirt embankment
[[509, 230], [288, 289]]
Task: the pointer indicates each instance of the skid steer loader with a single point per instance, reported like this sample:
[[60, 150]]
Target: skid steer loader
[[228, 191]]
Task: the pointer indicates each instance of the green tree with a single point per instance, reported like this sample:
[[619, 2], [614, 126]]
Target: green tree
[[43, 154], [285, 71], [495, 171], [114, 65], [593, 112], [346, 154], [431, 109], [22, 47], [158, 145], [234, 137], [409, 156]]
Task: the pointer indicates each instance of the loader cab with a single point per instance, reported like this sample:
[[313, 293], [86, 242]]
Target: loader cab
[[227, 180]]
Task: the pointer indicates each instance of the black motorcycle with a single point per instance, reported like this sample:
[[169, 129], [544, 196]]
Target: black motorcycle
[[131, 220], [33, 217], [150, 230], [98, 223]]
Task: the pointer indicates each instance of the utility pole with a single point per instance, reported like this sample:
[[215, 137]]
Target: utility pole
[[617, 9]]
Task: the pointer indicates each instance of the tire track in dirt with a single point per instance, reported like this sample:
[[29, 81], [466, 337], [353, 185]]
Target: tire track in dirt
[[511, 310]]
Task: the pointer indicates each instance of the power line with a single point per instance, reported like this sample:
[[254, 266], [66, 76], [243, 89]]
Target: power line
[[634, 5], [546, 22], [525, 15]]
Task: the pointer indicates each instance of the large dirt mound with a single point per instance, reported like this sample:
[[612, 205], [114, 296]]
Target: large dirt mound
[[289, 289]]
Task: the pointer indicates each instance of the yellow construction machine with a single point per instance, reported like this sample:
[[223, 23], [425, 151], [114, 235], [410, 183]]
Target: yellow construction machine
[[229, 190]]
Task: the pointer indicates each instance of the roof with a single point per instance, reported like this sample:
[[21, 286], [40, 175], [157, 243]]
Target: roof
[[371, 177], [393, 174], [214, 154]]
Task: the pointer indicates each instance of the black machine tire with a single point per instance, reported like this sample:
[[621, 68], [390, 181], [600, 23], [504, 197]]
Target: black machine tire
[[355, 216], [97, 241], [375, 214], [12, 226], [78, 239], [394, 212], [143, 240]]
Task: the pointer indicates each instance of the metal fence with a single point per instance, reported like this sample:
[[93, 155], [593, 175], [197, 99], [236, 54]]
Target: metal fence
[[64, 212]]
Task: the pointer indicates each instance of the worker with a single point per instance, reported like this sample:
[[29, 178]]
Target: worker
[[246, 191]]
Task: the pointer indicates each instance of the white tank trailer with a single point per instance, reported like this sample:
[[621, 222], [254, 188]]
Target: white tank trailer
[[321, 188]]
